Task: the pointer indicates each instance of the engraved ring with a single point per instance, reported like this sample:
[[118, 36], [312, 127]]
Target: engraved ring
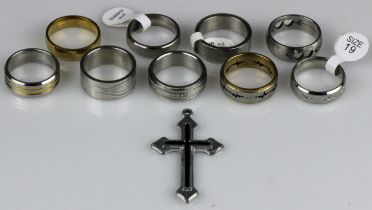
[[119, 85], [249, 60], [177, 58], [311, 96], [222, 21], [293, 22], [72, 21], [151, 51], [34, 88]]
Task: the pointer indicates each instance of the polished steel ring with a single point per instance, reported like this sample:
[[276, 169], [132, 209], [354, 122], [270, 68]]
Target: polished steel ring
[[177, 58], [249, 60], [294, 22], [316, 97], [153, 51], [28, 56], [222, 21], [116, 88]]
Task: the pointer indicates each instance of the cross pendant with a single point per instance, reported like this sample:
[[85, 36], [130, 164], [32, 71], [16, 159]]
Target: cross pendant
[[187, 146]]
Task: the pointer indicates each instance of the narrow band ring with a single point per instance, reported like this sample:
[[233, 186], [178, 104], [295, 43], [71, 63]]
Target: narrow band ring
[[113, 88], [70, 22], [154, 51], [222, 21], [294, 22], [32, 55], [249, 60], [177, 58], [316, 97]]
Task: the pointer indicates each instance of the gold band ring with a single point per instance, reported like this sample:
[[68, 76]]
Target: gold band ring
[[34, 88], [72, 21], [249, 60]]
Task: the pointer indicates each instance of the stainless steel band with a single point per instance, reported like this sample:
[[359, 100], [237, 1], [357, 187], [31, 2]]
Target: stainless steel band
[[316, 97], [222, 21], [108, 89], [177, 58], [293, 22], [153, 51], [249, 95], [32, 55]]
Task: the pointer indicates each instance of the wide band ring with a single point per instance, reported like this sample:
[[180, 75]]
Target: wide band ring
[[311, 96], [249, 60], [37, 88], [294, 22], [108, 89], [222, 21], [172, 92], [154, 51], [72, 21]]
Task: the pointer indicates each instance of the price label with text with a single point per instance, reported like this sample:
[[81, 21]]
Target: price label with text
[[351, 46]]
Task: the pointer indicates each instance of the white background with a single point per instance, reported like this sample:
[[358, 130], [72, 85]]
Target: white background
[[69, 151]]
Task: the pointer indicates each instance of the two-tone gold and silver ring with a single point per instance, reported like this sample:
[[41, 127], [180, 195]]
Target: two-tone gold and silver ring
[[72, 21], [31, 88], [249, 60]]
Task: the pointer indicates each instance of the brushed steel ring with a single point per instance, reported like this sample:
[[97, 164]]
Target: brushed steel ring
[[294, 22], [172, 92], [102, 89]]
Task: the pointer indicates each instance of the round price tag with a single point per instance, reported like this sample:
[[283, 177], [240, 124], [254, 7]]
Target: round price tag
[[118, 17], [351, 46]]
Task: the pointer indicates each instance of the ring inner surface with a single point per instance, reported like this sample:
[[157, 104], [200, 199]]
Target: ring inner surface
[[71, 23], [162, 23], [303, 30], [44, 68], [228, 23], [316, 63], [108, 64], [250, 61], [170, 60]]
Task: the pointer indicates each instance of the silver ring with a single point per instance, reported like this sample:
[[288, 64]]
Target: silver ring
[[177, 58], [32, 55], [293, 22], [116, 88], [316, 97], [153, 51], [217, 22]]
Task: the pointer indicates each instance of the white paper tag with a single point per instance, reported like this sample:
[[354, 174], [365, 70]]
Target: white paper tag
[[220, 41], [349, 47], [118, 17], [215, 41], [144, 20], [195, 37]]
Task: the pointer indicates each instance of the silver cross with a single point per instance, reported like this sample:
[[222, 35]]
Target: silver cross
[[187, 146]]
